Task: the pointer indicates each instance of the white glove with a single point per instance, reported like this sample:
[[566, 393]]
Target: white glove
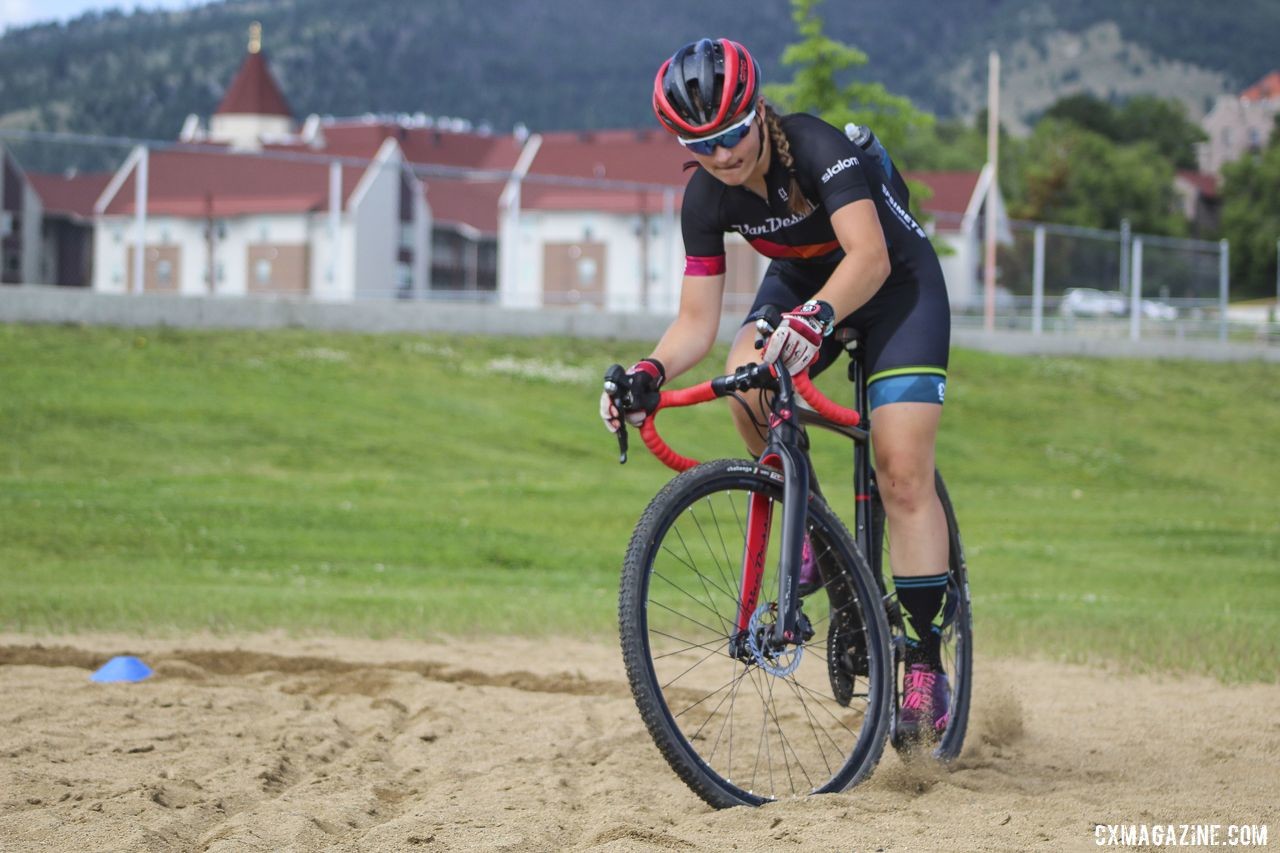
[[799, 336]]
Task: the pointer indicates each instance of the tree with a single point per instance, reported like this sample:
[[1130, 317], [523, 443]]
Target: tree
[[815, 87], [1087, 111], [1163, 123], [1251, 220], [948, 145], [1142, 118], [820, 63], [1077, 177]]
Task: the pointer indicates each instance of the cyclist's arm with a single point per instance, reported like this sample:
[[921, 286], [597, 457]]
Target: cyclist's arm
[[865, 265], [691, 335]]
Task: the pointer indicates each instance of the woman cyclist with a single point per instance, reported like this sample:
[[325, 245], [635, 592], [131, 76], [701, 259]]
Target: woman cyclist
[[845, 252]]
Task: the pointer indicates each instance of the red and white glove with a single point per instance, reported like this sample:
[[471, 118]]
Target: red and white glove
[[644, 377], [799, 336]]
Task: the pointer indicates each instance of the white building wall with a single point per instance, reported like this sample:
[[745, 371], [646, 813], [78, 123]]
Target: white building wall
[[1235, 126], [959, 268], [622, 255], [374, 212], [329, 284], [516, 288], [32, 225], [423, 223], [245, 131], [114, 236], [236, 235]]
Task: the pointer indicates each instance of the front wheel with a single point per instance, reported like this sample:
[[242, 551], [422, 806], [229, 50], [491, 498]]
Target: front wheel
[[956, 628], [742, 724]]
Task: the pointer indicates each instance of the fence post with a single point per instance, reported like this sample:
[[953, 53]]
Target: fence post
[[1037, 283], [1224, 286], [1126, 238], [1135, 292], [140, 218], [1275, 309]]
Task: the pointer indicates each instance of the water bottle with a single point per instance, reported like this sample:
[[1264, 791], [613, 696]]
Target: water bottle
[[861, 135]]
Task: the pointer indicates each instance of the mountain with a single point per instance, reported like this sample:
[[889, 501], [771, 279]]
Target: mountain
[[555, 64]]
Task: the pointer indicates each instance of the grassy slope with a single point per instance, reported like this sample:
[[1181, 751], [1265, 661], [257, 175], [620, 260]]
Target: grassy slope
[[423, 486]]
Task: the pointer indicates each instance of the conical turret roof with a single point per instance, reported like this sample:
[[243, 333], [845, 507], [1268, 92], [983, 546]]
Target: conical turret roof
[[254, 91]]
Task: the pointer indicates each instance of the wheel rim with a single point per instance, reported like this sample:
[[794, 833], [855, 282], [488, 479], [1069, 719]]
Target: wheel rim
[[768, 729]]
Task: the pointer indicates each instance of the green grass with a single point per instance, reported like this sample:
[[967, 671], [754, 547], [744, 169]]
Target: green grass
[[165, 481]]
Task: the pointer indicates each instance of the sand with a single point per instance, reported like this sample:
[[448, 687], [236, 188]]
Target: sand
[[275, 744]]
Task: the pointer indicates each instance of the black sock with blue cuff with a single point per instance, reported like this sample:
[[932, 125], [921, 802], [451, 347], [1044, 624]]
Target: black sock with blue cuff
[[921, 598]]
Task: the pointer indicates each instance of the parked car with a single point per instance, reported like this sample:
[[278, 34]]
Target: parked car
[[1090, 302], [1153, 310]]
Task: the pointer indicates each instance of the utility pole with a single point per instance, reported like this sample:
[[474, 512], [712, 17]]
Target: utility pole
[[993, 190]]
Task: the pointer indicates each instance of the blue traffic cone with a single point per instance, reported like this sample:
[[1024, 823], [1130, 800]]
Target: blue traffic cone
[[122, 668]]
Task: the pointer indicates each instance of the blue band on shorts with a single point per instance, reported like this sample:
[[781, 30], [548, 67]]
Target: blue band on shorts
[[907, 388]]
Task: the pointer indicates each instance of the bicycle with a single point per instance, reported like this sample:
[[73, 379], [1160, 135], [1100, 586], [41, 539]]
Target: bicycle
[[842, 708]]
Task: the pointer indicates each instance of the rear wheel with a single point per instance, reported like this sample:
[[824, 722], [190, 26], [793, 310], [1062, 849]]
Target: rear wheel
[[957, 628], [739, 724]]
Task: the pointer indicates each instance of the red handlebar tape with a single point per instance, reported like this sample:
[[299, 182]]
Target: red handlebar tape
[[702, 393]]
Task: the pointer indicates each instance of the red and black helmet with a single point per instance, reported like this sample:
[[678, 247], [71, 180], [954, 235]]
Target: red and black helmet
[[704, 85]]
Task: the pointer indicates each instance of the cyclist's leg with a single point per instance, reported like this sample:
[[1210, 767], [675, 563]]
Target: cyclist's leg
[[907, 328], [903, 435], [750, 419]]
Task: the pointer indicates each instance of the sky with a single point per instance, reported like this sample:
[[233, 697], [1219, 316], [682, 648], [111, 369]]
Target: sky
[[19, 13]]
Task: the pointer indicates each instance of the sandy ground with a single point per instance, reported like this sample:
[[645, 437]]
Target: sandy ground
[[275, 744]]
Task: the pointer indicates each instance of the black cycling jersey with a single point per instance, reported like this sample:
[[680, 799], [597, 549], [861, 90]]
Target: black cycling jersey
[[906, 324], [832, 171]]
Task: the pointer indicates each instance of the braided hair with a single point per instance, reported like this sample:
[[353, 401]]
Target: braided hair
[[796, 201]]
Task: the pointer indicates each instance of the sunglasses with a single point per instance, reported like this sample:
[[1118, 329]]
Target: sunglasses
[[727, 138]]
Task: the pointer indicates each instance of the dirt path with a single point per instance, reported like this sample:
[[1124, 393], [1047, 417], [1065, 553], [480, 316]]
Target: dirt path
[[274, 744]]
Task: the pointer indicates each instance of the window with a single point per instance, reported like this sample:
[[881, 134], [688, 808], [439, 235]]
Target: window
[[164, 273], [262, 272]]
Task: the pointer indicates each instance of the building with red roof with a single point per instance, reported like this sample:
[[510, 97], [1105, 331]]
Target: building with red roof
[[1238, 124], [1266, 89], [21, 213], [464, 173], [66, 256], [956, 207], [248, 207], [1198, 200], [265, 224]]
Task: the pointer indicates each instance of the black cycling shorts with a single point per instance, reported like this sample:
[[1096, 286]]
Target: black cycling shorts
[[905, 329]]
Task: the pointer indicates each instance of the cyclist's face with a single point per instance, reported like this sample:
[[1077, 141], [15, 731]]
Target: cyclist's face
[[734, 166]]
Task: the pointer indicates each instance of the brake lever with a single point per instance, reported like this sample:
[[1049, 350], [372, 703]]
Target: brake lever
[[763, 330], [622, 442], [614, 380]]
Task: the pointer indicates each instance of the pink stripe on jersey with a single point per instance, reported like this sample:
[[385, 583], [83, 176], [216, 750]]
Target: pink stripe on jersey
[[710, 265]]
